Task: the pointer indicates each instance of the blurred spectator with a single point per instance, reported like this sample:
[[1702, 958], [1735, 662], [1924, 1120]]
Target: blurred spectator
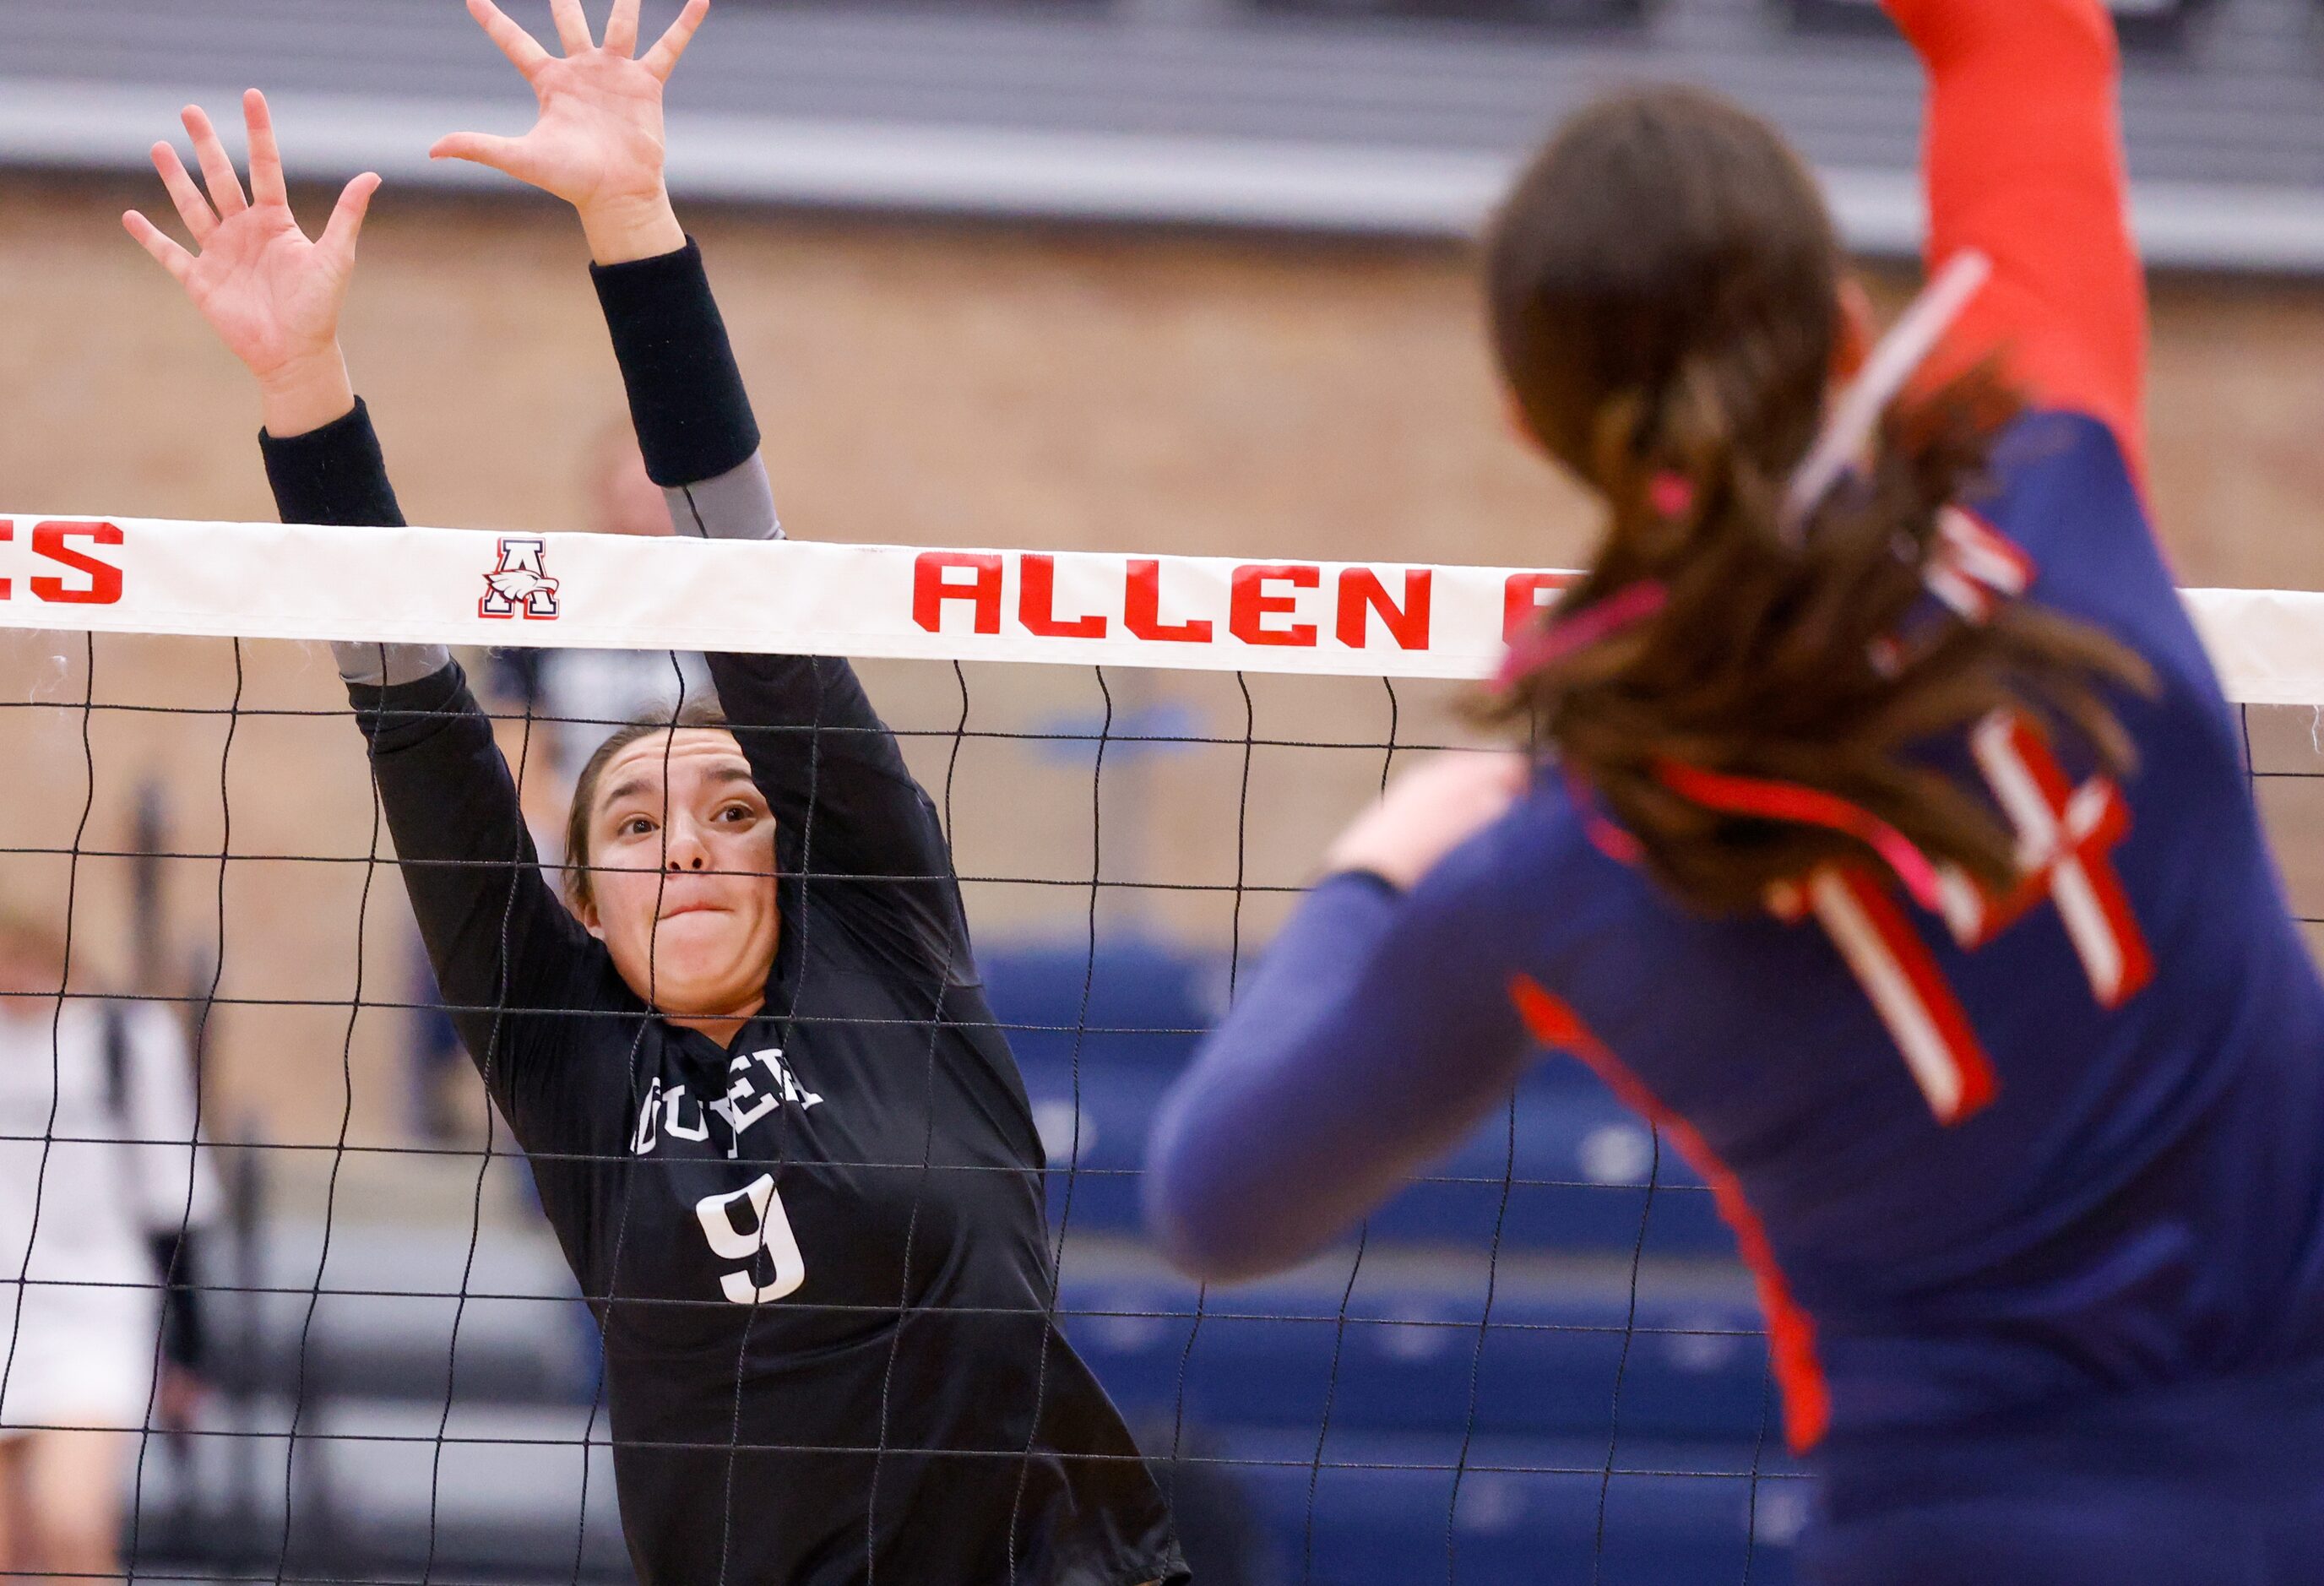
[[445, 1107], [578, 696], [102, 1195]]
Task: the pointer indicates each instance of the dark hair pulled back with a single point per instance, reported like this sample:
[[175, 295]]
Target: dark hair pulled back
[[1664, 288]]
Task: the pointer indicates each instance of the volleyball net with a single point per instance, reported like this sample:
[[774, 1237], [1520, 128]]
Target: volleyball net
[[1541, 1362]]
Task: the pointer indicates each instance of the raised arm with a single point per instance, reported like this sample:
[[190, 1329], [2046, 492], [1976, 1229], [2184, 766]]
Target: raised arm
[[846, 804], [829, 766], [2025, 165], [498, 937], [1377, 1032], [502, 944]]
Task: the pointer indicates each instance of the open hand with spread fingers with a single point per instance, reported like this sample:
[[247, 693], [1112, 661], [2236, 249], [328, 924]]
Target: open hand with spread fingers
[[598, 144], [272, 295]]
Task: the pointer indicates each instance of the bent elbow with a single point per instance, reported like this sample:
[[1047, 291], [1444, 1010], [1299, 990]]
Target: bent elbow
[[1176, 1222], [1202, 1250], [1211, 1232]]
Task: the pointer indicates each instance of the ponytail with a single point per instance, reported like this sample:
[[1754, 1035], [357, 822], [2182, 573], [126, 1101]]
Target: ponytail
[[1758, 716], [1783, 663]]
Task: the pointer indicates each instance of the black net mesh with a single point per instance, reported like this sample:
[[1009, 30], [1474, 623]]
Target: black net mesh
[[1541, 1363]]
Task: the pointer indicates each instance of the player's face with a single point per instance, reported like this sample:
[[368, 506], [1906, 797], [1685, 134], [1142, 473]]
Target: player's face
[[682, 859]]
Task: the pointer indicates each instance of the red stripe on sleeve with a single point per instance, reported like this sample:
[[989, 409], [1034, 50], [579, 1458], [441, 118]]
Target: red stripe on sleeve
[[1790, 1330]]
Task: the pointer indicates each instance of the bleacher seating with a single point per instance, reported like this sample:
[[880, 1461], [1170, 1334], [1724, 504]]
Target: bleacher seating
[[1585, 1174], [1613, 1327], [1570, 1370], [1417, 1353], [2143, 23], [1384, 1512], [1553, 13]]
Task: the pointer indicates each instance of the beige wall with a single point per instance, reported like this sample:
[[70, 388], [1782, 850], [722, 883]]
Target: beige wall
[[916, 384]]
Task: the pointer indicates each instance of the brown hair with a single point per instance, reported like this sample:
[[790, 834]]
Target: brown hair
[[1664, 291], [703, 714]]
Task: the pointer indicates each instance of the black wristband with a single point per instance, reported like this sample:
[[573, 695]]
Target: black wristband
[[336, 475], [686, 398]]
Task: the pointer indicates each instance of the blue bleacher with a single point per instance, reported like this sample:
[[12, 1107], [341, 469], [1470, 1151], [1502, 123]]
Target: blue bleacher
[[1579, 1178], [1546, 1363], [1131, 1001], [1528, 1513], [1576, 1362], [1115, 1027]]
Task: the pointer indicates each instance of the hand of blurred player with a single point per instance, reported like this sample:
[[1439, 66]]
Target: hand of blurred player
[[598, 144], [272, 295], [1429, 811]]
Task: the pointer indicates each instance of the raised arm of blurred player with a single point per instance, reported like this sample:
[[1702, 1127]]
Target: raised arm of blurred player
[[1376, 1034], [2025, 165]]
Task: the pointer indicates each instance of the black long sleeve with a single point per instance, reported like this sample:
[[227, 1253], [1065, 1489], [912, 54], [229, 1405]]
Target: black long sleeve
[[334, 476], [815, 1331], [509, 956], [852, 823], [512, 962], [686, 400], [850, 819]]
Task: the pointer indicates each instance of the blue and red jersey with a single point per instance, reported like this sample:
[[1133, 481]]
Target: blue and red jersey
[[2000, 1153]]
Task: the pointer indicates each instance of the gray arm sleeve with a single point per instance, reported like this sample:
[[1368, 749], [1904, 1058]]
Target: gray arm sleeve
[[389, 666], [738, 504]]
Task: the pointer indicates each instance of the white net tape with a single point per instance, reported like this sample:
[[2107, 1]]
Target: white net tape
[[1083, 608]]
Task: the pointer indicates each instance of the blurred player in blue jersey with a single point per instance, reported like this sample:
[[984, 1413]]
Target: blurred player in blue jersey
[[1890, 844]]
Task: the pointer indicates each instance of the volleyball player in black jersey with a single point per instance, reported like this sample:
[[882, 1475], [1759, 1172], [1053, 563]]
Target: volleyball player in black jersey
[[782, 1142]]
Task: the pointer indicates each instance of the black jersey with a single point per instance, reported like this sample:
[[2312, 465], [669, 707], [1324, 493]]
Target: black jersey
[[817, 1252]]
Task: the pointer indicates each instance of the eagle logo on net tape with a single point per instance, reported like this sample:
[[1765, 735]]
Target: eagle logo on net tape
[[520, 584]]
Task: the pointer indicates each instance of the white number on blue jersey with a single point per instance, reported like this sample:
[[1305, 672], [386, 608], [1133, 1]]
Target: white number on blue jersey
[[2066, 836]]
